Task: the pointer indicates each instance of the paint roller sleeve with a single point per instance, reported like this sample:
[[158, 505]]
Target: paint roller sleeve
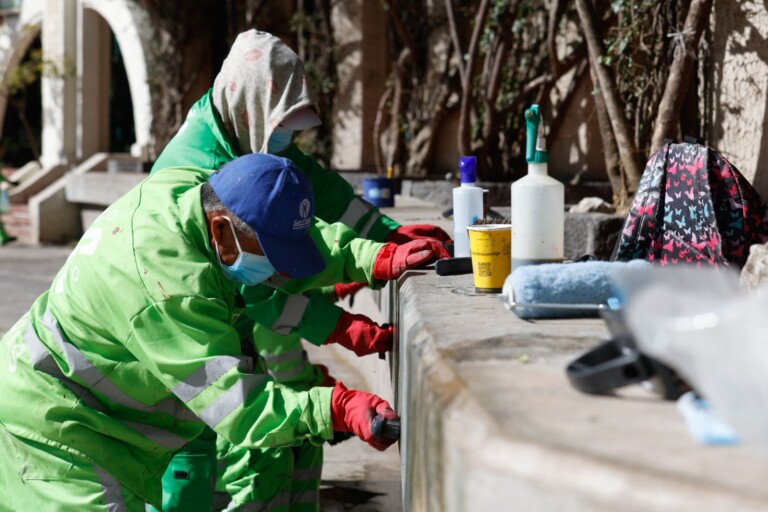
[[562, 290]]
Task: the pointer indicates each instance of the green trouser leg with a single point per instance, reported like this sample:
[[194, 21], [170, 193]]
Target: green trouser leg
[[41, 478], [307, 470], [188, 481], [271, 479], [275, 479], [4, 236], [247, 476]]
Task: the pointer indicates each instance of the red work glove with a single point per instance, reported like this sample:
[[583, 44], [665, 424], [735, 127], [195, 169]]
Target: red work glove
[[393, 259], [405, 234], [341, 290], [361, 335], [353, 411]]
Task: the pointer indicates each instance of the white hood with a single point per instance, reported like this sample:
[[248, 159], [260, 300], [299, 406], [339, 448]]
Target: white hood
[[261, 82]]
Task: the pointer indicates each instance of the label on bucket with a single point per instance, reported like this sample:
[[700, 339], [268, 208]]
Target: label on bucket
[[379, 193]]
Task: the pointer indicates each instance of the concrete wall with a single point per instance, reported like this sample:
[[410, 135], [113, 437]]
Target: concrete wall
[[361, 55], [577, 148], [738, 71]]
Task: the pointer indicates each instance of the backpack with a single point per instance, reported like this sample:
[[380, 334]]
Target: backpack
[[692, 206]]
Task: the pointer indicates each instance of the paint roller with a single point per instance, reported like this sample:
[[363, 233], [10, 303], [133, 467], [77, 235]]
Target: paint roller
[[562, 290]]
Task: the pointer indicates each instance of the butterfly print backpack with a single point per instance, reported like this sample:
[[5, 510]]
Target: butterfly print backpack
[[692, 206]]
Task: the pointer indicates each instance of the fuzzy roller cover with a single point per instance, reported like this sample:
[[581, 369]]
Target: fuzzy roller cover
[[567, 284]]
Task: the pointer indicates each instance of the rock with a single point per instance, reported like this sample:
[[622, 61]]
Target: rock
[[591, 233], [592, 204], [755, 272]]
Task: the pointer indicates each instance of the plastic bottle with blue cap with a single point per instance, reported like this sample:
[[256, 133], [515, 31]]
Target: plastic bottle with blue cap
[[538, 204], [467, 205]]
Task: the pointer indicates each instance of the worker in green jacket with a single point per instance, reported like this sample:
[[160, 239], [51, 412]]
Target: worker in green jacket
[[259, 99], [134, 348], [5, 202]]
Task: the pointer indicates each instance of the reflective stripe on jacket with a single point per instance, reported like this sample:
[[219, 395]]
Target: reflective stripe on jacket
[[133, 349]]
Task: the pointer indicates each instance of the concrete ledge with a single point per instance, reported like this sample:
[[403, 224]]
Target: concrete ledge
[[100, 188], [491, 423]]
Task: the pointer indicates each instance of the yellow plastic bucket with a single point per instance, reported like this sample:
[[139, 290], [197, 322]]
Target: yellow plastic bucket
[[490, 246]]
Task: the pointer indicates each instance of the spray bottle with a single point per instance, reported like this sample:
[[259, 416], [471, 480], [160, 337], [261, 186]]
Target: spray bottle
[[467, 205], [538, 204]]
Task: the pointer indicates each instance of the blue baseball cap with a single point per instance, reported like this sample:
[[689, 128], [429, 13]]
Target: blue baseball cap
[[274, 198]]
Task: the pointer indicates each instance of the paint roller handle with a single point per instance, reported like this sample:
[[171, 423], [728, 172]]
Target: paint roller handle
[[387, 429]]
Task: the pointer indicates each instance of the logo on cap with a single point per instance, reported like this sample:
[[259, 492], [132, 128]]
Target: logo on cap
[[303, 223], [304, 209]]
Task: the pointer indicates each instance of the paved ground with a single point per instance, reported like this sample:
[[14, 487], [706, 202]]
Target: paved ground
[[356, 478]]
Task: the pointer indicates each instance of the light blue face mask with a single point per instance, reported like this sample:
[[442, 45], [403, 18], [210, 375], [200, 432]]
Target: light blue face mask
[[279, 140], [248, 269]]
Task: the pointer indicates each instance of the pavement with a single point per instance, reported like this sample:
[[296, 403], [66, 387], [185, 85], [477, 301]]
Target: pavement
[[356, 478]]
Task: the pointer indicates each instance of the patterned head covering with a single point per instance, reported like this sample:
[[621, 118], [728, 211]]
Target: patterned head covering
[[261, 82]]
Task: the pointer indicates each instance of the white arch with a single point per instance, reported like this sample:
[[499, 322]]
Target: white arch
[[119, 16]]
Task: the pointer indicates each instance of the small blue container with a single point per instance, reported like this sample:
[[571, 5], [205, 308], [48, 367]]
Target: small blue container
[[379, 191]]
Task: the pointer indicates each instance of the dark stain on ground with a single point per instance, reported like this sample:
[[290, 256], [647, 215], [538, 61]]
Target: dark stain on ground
[[347, 498]]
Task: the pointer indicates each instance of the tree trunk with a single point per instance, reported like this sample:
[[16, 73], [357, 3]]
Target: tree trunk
[[610, 149], [465, 122], [668, 118], [630, 158]]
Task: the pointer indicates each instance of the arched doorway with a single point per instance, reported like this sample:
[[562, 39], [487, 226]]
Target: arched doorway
[[107, 108], [122, 134], [22, 122]]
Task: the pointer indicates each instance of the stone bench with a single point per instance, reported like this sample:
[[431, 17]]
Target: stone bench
[[491, 423]]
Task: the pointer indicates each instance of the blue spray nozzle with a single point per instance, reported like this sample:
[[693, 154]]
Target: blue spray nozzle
[[468, 169], [535, 152]]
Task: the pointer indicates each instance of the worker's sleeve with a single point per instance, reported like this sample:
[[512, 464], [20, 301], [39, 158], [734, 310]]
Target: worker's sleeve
[[189, 344], [335, 200], [348, 259], [310, 315]]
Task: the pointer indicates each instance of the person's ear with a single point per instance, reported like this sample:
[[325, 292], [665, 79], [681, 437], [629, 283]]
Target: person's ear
[[221, 232]]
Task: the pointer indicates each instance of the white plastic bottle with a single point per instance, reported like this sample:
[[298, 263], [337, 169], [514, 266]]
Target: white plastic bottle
[[538, 205], [467, 205]]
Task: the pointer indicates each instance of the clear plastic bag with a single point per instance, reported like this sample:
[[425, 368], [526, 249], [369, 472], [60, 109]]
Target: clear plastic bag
[[713, 332]]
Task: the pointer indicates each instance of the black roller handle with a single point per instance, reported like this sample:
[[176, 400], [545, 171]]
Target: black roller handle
[[385, 429]]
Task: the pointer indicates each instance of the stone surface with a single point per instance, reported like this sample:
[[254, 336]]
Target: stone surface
[[755, 271], [100, 188], [591, 233], [491, 422], [25, 273], [590, 205]]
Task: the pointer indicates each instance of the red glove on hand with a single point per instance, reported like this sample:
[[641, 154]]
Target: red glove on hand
[[352, 411], [405, 234], [361, 335], [394, 259], [341, 290]]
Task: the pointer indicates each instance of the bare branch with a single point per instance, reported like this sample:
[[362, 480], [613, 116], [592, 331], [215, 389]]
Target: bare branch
[[464, 131], [454, 30], [378, 156], [555, 11], [627, 150], [400, 29], [668, 119]]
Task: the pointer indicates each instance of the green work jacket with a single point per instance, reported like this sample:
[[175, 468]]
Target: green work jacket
[[203, 142], [133, 349]]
